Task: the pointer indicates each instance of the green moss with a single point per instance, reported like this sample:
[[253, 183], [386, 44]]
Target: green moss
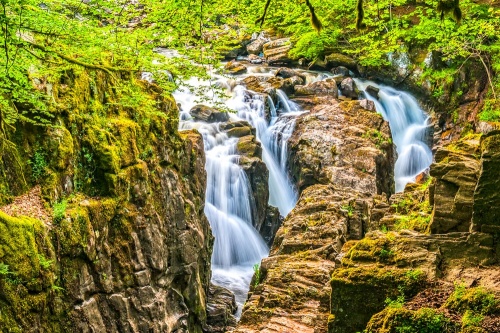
[[479, 300], [360, 292], [401, 320]]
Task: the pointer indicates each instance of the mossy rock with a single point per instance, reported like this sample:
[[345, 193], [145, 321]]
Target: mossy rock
[[396, 320], [359, 293]]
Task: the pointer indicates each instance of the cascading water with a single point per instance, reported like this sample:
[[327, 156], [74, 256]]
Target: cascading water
[[238, 246], [228, 206], [409, 127]]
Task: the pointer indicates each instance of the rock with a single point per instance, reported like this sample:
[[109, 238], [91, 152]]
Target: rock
[[318, 65], [208, 114], [486, 216], [456, 172], [287, 85], [354, 300], [271, 224], [367, 105], [318, 88], [238, 132], [249, 147], [286, 73], [257, 45], [301, 261], [234, 68], [258, 177], [256, 84], [340, 70], [348, 88], [486, 127], [276, 51], [373, 91], [329, 145], [338, 59], [221, 307]]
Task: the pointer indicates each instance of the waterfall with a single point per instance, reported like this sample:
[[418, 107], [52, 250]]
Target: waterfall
[[228, 206], [409, 127]]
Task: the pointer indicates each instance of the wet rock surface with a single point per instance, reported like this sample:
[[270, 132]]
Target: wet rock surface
[[221, 307], [330, 145], [208, 114]]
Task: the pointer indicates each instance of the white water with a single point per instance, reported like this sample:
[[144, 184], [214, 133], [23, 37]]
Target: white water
[[228, 205], [408, 124]]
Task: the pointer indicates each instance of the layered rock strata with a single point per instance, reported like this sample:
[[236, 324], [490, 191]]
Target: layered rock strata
[[291, 291]]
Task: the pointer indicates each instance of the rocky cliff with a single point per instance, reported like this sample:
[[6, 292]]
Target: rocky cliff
[[117, 240], [337, 166]]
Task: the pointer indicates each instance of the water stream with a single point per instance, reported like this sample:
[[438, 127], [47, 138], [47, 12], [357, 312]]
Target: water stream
[[409, 127], [228, 205]]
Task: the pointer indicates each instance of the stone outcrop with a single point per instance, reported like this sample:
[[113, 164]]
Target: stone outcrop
[[486, 216], [456, 171], [256, 170], [276, 51], [333, 144], [384, 266], [291, 293], [208, 114], [234, 67], [338, 59], [128, 248], [257, 45], [319, 88], [221, 307]]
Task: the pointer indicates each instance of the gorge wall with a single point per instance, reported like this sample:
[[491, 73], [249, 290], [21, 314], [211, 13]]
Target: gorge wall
[[117, 240]]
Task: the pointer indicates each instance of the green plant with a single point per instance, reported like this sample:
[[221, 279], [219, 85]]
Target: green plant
[[38, 165], [398, 302], [4, 269], [44, 262], [471, 319], [257, 277], [349, 209], [385, 253], [59, 209]]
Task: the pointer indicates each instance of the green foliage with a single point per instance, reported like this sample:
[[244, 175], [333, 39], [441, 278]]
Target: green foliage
[[424, 320], [398, 302], [479, 300], [59, 209], [471, 319], [38, 165], [349, 209], [257, 277], [44, 262], [4, 269]]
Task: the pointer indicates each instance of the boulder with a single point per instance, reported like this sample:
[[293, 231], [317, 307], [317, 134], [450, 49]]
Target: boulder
[[456, 171], [330, 145], [348, 88], [286, 73], [340, 70], [208, 114], [318, 88], [367, 105], [338, 59], [238, 132], [287, 85], [257, 45], [257, 174], [373, 91], [277, 51], [486, 216], [221, 307], [234, 67]]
